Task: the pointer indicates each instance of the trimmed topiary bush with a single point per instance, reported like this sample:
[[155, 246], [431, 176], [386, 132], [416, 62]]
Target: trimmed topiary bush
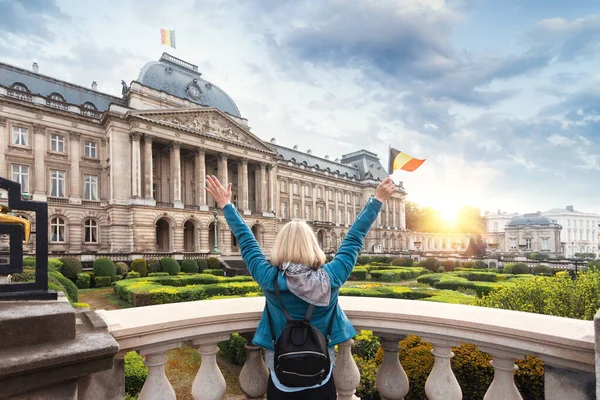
[[542, 270], [25, 276], [158, 274], [508, 268], [402, 262], [189, 266], [71, 266], [153, 266], [139, 265], [520, 268], [431, 264], [133, 275], [170, 265], [479, 264], [83, 281], [448, 265], [122, 268], [136, 373], [202, 264], [105, 267], [103, 281]]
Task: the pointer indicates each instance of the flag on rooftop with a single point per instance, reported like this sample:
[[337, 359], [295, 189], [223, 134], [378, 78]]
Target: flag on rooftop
[[167, 37], [402, 161]]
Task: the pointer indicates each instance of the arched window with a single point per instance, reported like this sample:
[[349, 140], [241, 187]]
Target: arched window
[[57, 97], [90, 229], [89, 106], [20, 87], [58, 229]]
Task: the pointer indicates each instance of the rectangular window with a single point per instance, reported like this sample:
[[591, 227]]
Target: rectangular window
[[513, 244], [587, 234], [20, 174], [91, 231], [319, 193], [528, 244], [339, 197], [569, 222], [581, 234], [90, 187], [545, 244], [89, 149], [57, 183], [581, 223], [348, 220], [495, 225], [283, 210], [296, 211], [331, 215], [57, 143], [340, 217], [154, 190], [307, 213], [20, 136], [320, 215], [295, 188], [330, 194], [283, 186]]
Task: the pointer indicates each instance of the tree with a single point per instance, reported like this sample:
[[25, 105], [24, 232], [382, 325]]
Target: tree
[[476, 247], [469, 220], [412, 211]]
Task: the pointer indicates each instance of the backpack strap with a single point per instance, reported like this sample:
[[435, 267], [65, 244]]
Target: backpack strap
[[288, 317]]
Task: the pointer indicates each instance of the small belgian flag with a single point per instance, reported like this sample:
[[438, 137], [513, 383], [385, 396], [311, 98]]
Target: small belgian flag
[[400, 160]]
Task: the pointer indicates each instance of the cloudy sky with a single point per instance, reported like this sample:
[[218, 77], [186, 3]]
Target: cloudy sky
[[501, 96]]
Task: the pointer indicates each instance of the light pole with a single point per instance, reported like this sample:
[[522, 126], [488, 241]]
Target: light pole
[[215, 249]]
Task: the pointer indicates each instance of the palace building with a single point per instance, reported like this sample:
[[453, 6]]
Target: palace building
[[127, 174]]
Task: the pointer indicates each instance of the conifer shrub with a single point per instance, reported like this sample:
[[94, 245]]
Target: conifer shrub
[[170, 265], [104, 267], [70, 267], [189, 266], [139, 265]]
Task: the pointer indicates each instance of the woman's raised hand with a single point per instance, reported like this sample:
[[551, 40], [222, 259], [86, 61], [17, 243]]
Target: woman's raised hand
[[221, 194], [385, 190]]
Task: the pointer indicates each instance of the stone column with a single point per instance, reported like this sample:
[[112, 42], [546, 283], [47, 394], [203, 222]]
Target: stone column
[[245, 205], [209, 383], [441, 383], [222, 169], [394, 216], [200, 166], [315, 214], [4, 141], [75, 177], [40, 176], [263, 190], [136, 165], [240, 186], [345, 207], [354, 214], [175, 160], [336, 217], [148, 168], [272, 189], [346, 373], [104, 183], [301, 187], [157, 386], [391, 380]]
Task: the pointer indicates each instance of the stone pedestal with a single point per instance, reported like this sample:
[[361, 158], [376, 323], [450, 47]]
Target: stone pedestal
[[47, 347]]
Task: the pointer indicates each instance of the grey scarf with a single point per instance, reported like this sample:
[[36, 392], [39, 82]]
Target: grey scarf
[[312, 286]]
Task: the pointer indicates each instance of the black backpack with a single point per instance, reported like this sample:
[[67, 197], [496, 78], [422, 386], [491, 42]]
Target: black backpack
[[301, 354]]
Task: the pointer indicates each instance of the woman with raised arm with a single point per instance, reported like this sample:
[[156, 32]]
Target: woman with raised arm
[[298, 284]]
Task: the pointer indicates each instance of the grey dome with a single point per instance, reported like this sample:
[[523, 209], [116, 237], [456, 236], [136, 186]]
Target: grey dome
[[182, 79], [530, 220]]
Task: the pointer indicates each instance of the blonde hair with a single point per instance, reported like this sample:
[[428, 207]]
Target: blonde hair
[[296, 242]]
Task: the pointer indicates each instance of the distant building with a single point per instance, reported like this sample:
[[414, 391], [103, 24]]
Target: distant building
[[580, 230], [495, 222], [532, 233]]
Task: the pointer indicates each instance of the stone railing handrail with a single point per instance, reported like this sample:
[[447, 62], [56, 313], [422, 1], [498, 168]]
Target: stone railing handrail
[[567, 344]]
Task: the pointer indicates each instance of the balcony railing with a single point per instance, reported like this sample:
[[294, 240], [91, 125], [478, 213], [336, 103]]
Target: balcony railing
[[565, 345], [18, 94]]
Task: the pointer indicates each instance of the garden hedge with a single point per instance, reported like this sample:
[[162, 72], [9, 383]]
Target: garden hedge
[[104, 267], [136, 373], [358, 274], [69, 287], [54, 264], [202, 264], [122, 268], [140, 266], [520, 268], [542, 270], [213, 263], [29, 261], [395, 275], [233, 350], [402, 262], [390, 292], [133, 275], [189, 266], [158, 274], [103, 281], [216, 272]]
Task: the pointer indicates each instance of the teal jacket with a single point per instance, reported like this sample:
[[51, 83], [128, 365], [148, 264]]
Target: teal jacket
[[339, 270]]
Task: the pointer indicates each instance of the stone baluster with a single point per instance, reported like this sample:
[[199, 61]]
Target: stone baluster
[[209, 383], [346, 374], [503, 386], [254, 376], [391, 380], [157, 386], [441, 383]]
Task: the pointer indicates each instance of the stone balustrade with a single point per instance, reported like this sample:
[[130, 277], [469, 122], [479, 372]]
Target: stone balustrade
[[565, 345]]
